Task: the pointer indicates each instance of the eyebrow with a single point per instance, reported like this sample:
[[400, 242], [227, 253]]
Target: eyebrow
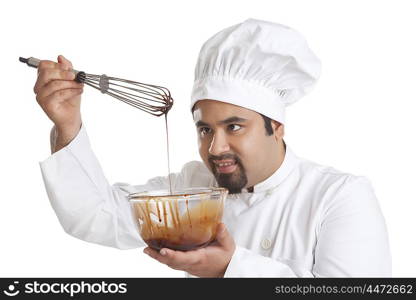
[[233, 119]]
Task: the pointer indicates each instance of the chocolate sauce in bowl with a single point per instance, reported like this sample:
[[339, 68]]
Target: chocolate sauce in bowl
[[178, 223]]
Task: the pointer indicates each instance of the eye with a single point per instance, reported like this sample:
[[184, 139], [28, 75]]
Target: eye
[[204, 130], [234, 127]]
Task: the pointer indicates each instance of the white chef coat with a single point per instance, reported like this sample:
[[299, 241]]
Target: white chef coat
[[305, 220]]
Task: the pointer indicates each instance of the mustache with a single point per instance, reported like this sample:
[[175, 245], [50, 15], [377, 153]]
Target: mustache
[[211, 158], [234, 157]]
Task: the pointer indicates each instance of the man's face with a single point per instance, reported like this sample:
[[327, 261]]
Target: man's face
[[233, 144]]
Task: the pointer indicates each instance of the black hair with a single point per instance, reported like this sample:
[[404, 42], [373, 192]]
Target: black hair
[[267, 125]]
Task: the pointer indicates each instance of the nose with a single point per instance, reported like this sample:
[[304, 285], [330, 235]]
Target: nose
[[219, 144]]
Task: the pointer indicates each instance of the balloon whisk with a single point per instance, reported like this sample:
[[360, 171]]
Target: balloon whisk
[[153, 99]]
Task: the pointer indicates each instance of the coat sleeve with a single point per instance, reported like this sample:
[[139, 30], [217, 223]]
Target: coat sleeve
[[87, 206], [352, 241]]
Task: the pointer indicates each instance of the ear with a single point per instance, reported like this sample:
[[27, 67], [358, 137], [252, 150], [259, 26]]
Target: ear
[[279, 130]]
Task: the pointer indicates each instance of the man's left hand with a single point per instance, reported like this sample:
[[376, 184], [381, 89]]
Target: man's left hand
[[210, 261]]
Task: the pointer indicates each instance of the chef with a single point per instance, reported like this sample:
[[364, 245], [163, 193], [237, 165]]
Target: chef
[[285, 216]]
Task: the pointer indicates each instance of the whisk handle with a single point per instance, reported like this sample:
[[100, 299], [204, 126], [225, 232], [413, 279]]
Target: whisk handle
[[31, 61], [34, 63]]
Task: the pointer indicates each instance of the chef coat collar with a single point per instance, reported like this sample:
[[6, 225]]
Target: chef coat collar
[[289, 162]]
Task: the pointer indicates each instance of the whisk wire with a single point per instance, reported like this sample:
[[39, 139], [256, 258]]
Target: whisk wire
[[151, 94], [151, 109], [153, 99]]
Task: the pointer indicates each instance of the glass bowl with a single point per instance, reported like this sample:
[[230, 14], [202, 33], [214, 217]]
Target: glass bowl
[[184, 220]]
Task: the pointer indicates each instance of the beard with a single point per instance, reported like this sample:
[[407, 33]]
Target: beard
[[234, 182]]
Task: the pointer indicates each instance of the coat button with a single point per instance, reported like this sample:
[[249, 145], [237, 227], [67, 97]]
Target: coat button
[[266, 244]]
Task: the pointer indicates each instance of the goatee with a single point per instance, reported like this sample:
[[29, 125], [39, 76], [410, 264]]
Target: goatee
[[234, 182]]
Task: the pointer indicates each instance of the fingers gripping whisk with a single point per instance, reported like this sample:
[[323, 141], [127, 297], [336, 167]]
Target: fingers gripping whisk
[[153, 99]]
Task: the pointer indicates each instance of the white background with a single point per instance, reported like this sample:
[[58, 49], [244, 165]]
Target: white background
[[360, 118]]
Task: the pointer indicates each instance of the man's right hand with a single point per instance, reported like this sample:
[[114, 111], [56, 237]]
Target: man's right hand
[[60, 98]]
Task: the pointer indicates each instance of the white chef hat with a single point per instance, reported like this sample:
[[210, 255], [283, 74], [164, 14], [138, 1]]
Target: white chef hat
[[258, 65]]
